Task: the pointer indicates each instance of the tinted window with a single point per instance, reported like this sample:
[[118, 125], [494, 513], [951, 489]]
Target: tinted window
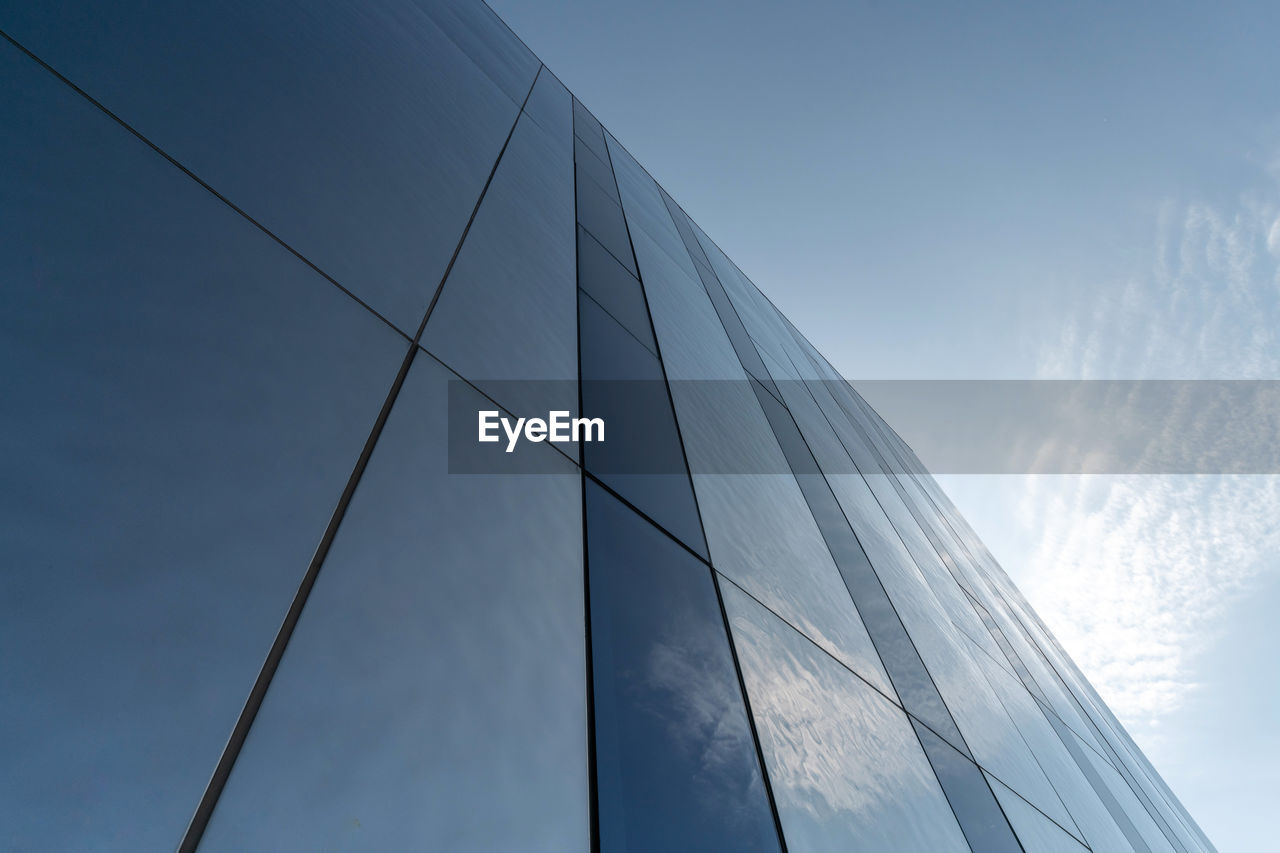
[[675, 760], [369, 166], [433, 695], [846, 768], [184, 401]]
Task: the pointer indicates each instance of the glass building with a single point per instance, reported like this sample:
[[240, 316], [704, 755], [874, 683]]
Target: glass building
[[257, 257]]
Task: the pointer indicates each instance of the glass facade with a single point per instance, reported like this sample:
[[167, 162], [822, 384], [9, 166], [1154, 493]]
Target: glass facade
[[253, 253]]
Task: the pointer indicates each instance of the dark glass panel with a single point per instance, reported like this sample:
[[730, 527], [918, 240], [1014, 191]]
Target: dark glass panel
[[974, 805], [509, 309], [602, 216], [360, 133], [1037, 833], [616, 290], [486, 41], [433, 696], [742, 344], [645, 209], [592, 168], [184, 401], [758, 528], [550, 105], [675, 760], [588, 129], [846, 770], [903, 664], [640, 456]]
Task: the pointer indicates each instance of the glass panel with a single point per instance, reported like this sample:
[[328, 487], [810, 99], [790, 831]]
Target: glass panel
[[615, 289], [550, 105], [846, 768], [588, 129], [184, 401], [486, 41], [675, 760], [433, 695], [641, 457], [1089, 765], [758, 527], [592, 168], [898, 654], [971, 799], [509, 308], [248, 96], [600, 214], [645, 208], [1128, 802], [1037, 833]]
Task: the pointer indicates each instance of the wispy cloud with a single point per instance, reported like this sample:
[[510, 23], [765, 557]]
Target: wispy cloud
[[1137, 575]]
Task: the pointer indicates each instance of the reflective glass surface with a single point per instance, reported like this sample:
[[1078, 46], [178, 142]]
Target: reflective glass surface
[[975, 807], [184, 401], [433, 694], [600, 214], [592, 168], [551, 106], [509, 307], [588, 129], [361, 133], [897, 653], [615, 289], [675, 760], [199, 353], [1037, 833], [759, 529], [640, 457], [846, 768], [645, 209]]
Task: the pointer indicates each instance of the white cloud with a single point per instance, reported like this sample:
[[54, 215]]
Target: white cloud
[[1137, 575]]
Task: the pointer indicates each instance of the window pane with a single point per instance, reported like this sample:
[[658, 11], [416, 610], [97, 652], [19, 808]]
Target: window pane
[[550, 105], [599, 213], [614, 288], [975, 807], [641, 457], [184, 401], [1037, 833], [846, 768], [759, 529], [433, 694], [247, 95], [676, 762], [509, 308]]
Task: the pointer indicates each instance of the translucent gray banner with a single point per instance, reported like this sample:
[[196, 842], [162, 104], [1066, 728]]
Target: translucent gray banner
[[953, 426]]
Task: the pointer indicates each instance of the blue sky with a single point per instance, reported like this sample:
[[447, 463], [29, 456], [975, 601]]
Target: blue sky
[[1012, 191]]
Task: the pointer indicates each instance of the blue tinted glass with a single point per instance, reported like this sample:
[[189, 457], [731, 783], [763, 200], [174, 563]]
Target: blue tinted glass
[[369, 165], [508, 310], [433, 696], [903, 664], [1037, 833], [640, 456], [975, 807], [846, 770], [588, 129], [600, 214], [675, 760], [184, 402], [592, 168], [550, 105], [645, 208], [758, 527], [616, 290], [486, 41]]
